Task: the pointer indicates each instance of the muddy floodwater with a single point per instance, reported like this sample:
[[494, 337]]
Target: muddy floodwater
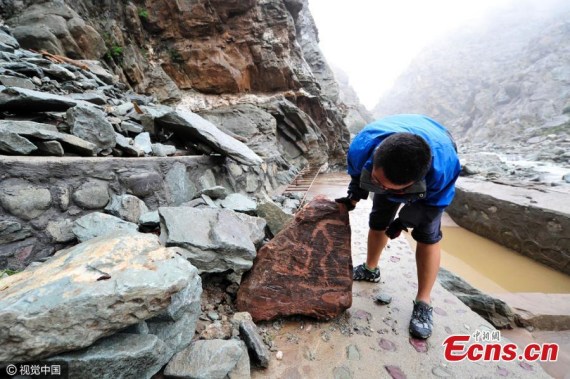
[[486, 265]]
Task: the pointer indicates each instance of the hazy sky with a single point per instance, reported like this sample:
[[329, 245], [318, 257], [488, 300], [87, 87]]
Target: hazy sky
[[374, 41]]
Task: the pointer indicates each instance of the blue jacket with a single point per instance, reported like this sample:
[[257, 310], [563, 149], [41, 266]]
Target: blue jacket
[[445, 166]]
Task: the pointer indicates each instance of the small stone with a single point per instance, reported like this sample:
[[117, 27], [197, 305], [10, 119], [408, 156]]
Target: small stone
[[353, 353], [142, 141], [279, 355], [440, 311], [342, 373], [383, 298], [421, 346], [501, 371], [395, 372], [441, 372], [387, 345], [213, 316]]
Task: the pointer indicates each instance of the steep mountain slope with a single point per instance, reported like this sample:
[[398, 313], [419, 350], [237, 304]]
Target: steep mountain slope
[[502, 81]]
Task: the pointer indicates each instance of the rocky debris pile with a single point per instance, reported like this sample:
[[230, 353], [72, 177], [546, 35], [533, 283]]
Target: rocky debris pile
[[52, 105], [305, 270], [140, 300], [541, 165], [94, 290]]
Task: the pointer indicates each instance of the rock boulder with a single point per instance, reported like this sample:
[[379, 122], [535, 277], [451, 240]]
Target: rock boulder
[[87, 292], [305, 270]]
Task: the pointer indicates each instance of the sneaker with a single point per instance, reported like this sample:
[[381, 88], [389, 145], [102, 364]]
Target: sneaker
[[421, 323], [361, 272]]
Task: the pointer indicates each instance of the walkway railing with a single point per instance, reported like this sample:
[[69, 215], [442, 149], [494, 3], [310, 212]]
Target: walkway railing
[[303, 181]]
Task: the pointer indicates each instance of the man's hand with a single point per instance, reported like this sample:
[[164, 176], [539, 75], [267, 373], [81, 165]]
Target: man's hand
[[348, 203], [395, 228]]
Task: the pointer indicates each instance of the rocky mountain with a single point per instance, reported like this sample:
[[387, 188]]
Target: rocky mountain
[[504, 81], [213, 55], [357, 116]]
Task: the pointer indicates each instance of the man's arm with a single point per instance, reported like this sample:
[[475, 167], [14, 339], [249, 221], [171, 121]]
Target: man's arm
[[355, 194]]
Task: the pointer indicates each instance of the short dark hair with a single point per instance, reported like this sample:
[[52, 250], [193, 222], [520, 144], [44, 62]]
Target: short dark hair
[[404, 157]]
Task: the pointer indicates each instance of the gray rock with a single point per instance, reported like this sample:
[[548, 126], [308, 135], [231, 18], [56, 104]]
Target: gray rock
[[22, 100], [496, 311], [207, 179], [383, 298], [24, 201], [255, 345], [144, 184], [99, 224], [566, 178], [60, 231], [47, 133], [217, 192], [216, 239], [128, 146], [256, 225], [8, 40], [239, 203], [179, 188], [90, 124], [90, 97], [58, 72], [142, 141], [12, 143], [119, 356], [208, 201], [12, 81], [148, 119], [100, 72], [190, 126], [195, 203], [128, 207], [87, 292], [51, 148], [123, 109], [131, 127], [150, 219], [178, 334], [92, 195], [140, 328], [276, 218], [11, 231], [161, 150], [211, 359]]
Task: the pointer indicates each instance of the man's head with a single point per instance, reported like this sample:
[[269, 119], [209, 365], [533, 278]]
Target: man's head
[[401, 160]]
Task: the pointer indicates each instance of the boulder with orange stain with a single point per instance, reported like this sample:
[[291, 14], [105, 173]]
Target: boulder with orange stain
[[93, 290], [305, 270]]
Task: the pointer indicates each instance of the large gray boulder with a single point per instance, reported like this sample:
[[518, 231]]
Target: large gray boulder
[[118, 356], [87, 292], [211, 359], [99, 224], [90, 124], [216, 239], [190, 126]]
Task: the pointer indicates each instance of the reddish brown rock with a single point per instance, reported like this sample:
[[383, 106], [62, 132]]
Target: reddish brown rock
[[305, 270]]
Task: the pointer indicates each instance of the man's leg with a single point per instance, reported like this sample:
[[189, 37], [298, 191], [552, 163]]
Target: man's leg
[[383, 212], [427, 262], [377, 240]]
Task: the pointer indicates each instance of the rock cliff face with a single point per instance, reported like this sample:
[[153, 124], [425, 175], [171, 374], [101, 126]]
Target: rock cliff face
[[506, 81], [167, 48]]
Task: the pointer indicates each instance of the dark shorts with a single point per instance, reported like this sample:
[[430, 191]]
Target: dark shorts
[[425, 220]]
